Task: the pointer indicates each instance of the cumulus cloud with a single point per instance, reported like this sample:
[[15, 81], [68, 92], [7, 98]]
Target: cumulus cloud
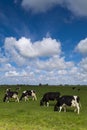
[[12, 73], [25, 48], [77, 7], [18, 73], [54, 63], [83, 64], [41, 62], [6, 67], [3, 59], [82, 46]]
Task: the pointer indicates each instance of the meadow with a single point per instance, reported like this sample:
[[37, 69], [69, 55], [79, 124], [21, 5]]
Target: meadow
[[31, 116]]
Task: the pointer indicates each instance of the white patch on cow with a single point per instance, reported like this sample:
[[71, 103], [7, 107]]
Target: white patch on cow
[[32, 91], [34, 95], [73, 103], [7, 89], [24, 91], [75, 97], [15, 96]]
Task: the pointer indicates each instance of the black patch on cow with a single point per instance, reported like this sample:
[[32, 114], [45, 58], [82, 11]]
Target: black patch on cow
[[64, 100]]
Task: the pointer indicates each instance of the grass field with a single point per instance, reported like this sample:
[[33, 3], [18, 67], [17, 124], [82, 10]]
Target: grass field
[[31, 116]]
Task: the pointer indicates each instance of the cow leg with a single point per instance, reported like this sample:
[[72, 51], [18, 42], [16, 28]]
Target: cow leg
[[75, 109], [34, 96], [64, 109], [17, 99], [78, 108], [26, 98], [60, 108], [47, 104], [7, 99], [76, 105]]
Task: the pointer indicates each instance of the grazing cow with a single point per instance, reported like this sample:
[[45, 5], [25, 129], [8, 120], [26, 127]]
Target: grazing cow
[[74, 88], [78, 89], [10, 94], [49, 96], [28, 93], [72, 101]]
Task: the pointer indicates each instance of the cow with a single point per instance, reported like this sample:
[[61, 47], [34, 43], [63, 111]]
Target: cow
[[28, 93], [49, 96], [10, 94], [67, 100], [73, 88]]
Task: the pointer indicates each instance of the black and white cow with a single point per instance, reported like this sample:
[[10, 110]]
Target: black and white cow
[[10, 94], [49, 96], [28, 93], [64, 101]]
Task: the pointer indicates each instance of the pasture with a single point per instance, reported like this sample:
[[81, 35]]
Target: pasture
[[31, 116]]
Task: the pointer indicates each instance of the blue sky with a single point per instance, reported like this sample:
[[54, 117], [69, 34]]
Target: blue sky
[[43, 41]]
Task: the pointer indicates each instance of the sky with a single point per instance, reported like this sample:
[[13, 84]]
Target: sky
[[43, 41]]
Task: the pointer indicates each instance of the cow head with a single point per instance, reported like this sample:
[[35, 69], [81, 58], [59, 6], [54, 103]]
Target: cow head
[[41, 102], [5, 98], [55, 108]]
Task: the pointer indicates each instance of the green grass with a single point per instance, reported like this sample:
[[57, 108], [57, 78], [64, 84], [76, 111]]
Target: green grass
[[30, 116]]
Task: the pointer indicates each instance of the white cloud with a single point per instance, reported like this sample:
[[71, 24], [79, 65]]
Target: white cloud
[[82, 46], [54, 63], [34, 70], [25, 48], [12, 73], [40, 5], [62, 72], [77, 7], [3, 59], [74, 70], [12, 52], [83, 65], [6, 67]]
